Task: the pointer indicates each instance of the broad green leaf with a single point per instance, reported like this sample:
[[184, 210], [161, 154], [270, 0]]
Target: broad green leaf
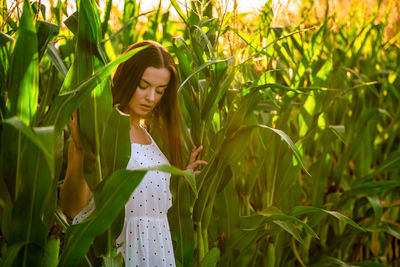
[[72, 22], [51, 252], [282, 217], [179, 10], [28, 225], [339, 131], [301, 210], [187, 174], [235, 146], [5, 38], [181, 224], [65, 103], [114, 193], [11, 253], [390, 163], [55, 58], [115, 152], [374, 187], [28, 132], [331, 262], [200, 68], [218, 90], [42, 137], [23, 74], [93, 116], [377, 207], [371, 264], [46, 32], [183, 54], [211, 258], [129, 24], [289, 141], [285, 222], [104, 24]]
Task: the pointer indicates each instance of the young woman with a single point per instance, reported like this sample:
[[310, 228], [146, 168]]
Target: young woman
[[144, 86]]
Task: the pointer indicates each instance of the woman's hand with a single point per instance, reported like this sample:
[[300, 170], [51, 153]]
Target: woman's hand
[[73, 125], [193, 162], [74, 193]]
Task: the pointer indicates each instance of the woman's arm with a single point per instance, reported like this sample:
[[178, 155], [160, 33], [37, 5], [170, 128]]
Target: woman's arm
[[75, 192]]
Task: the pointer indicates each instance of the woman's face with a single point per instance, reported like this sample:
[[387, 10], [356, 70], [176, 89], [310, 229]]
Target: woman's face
[[149, 91]]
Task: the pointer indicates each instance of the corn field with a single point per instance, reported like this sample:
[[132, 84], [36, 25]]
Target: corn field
[[300, 127]]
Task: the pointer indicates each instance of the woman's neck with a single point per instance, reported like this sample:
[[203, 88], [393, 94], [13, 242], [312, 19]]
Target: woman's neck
[[135, 120]]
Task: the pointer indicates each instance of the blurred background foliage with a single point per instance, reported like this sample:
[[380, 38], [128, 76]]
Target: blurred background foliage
[[296, 104]]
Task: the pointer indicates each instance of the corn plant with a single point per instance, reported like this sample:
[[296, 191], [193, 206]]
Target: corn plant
[[299, 126]]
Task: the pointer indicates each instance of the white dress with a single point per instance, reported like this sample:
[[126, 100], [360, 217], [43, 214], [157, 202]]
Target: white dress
[[145, 239]]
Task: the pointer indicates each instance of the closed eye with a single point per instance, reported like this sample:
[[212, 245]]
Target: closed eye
[[160, 91], [143, 84]]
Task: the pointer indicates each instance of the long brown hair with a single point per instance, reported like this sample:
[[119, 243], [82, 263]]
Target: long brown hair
[[165, 121]]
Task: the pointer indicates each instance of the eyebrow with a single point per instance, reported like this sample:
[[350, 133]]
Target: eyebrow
[[166, 85]]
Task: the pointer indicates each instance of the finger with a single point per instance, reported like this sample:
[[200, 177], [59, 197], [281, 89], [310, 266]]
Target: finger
[[73, 125], [195, 164], [192, 157], [196, 173], [75, 114], [195, 153]]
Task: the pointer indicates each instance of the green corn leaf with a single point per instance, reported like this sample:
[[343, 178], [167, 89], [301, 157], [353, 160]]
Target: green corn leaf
[[11, 253], [200, 68], [35, 8], [187, 174], [23, 89], [331, 262], [183, 53], [377, 207], [27, 224], [72, 22], [194, 114], [339, 131], [55, 58], [23, 74], [233, 149], [241, 239], [65, 103], [104, 24], [181, 224], [42, 137], [180, 12], [51, 252], [283, 217], [211, 258], [46, 32], [371, 264], [286, 222], [209, 45], [219, 88], [300, 210], [391, 163], [128, 24], [5, 38], [115, 152], [374, 188], [289, 141], [114, 193]]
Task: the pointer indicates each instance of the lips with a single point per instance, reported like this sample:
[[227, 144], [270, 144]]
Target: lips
[[146, 107]]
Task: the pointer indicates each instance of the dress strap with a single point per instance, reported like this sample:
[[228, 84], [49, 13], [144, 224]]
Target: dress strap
[[151, 138]]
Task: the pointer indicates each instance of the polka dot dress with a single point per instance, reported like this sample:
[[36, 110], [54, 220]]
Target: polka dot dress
[[145, 239]]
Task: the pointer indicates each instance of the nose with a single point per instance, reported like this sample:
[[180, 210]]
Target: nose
[[150, 95]]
